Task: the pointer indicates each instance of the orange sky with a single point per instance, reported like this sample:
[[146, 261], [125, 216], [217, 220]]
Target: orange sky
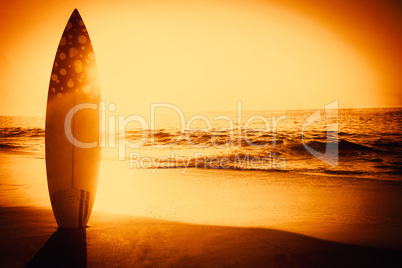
[[207, 55]]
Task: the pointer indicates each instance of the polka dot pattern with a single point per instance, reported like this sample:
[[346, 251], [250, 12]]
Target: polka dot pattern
[[74, 71]]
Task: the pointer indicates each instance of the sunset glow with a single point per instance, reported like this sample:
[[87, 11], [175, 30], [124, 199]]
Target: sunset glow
[[199, 133], [206, 55]]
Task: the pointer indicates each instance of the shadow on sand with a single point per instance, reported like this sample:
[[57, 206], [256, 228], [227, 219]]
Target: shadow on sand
[[65, 248]]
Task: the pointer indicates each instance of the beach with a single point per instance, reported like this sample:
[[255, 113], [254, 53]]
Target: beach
[[157, 229], [29, 236], [201, 134]]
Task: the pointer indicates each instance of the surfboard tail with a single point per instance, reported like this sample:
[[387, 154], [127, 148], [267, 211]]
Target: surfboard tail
[[72, 207]]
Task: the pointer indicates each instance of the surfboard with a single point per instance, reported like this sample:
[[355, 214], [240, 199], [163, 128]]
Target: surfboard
[[72, 131]]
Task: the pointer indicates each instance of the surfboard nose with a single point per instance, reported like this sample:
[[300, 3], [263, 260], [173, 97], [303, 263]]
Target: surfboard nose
[[76, 12], [75, 17]]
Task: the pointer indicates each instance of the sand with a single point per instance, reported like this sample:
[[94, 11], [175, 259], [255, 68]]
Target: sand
[[305, 234], [30, 237]]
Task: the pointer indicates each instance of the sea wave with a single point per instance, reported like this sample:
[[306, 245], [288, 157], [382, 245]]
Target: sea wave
[[21, 132], [368, 142], [252, 140]]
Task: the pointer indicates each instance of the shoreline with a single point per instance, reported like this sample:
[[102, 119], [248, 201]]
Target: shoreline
[[359, 212], [30, 236], [202, 218]]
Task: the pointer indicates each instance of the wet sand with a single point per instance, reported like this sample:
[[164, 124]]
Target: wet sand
[[30, 237], [310, 221]]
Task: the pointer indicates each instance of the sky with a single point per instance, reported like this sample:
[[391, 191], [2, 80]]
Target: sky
[[206, 55]]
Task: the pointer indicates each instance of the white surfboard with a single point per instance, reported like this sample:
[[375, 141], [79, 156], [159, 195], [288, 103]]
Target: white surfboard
[[72, 127]]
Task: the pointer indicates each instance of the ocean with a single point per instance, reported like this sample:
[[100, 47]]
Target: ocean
[[365, 143]]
